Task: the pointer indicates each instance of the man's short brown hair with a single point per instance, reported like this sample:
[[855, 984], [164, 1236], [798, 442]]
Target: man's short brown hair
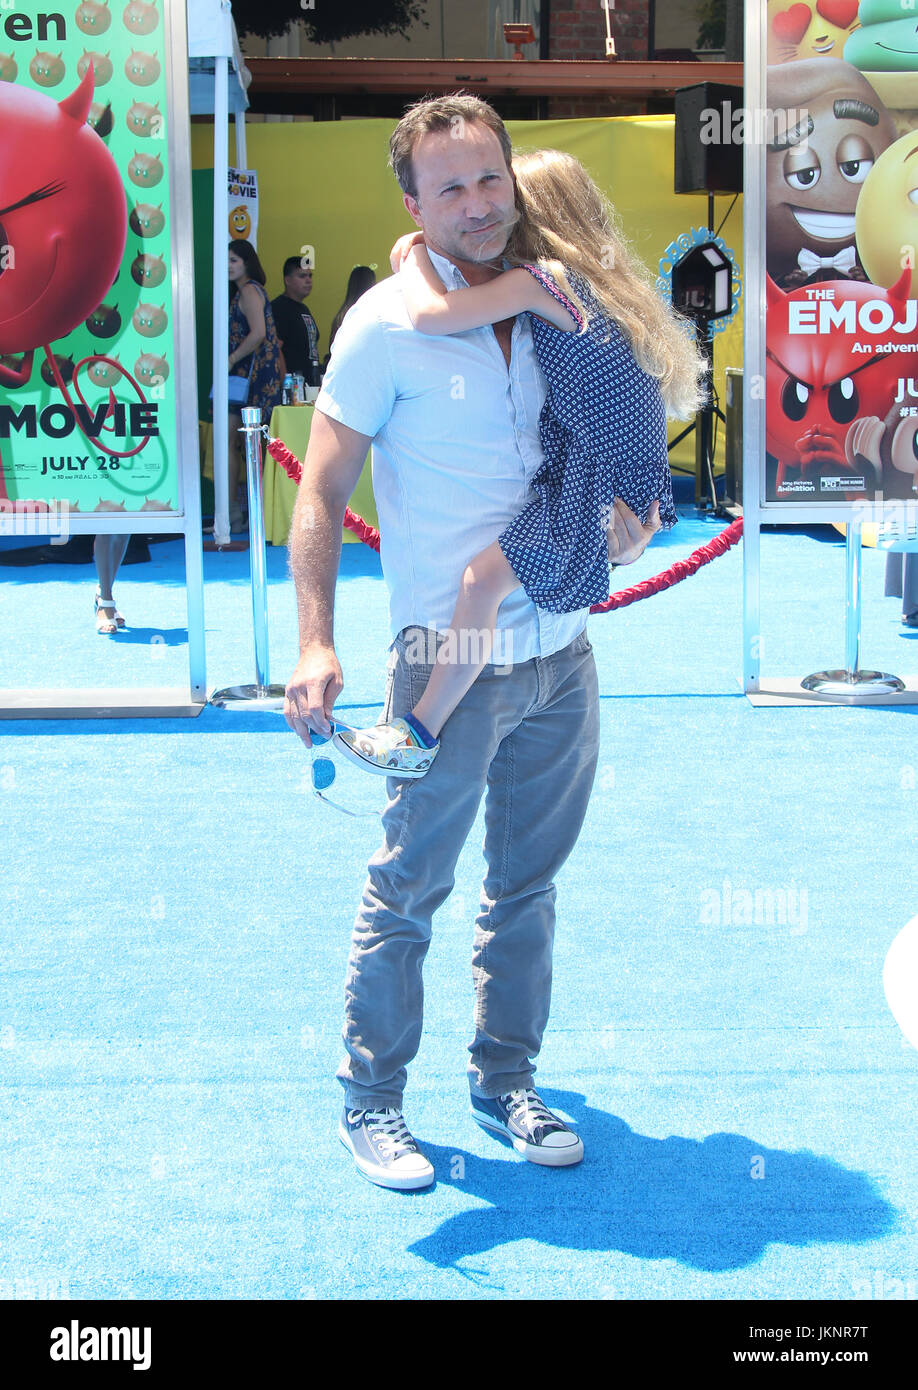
[[439, 113]]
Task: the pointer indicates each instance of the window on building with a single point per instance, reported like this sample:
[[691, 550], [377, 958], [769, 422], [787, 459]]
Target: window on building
[[705, 30]]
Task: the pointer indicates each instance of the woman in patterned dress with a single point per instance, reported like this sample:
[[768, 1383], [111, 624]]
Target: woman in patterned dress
[[253, 344], [617, 361]]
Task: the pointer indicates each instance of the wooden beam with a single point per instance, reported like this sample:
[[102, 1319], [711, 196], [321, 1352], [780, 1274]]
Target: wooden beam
[[499, 77]]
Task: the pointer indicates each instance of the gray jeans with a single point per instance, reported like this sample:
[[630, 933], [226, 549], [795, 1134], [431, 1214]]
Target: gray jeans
[[902, 579], [529, 734]]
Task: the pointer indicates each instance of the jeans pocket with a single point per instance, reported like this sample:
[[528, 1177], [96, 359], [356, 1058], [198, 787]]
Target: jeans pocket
[[407, 674], [417, 648]]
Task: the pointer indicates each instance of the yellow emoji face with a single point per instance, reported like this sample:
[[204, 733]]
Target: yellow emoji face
[[809, 30], [886, 221], [240, 224]]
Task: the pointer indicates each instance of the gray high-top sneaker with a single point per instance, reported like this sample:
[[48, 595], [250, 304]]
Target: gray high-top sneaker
[[534, 1131], [384, 1149]]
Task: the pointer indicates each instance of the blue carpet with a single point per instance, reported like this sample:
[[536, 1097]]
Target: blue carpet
[[176, 909]]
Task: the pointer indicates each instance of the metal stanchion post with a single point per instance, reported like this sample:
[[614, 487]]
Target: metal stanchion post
[[853, 595], [851, 682], [261, 695], [252, 429]]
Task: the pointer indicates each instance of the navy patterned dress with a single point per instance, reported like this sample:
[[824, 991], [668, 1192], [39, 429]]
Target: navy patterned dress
[[603, 433], [266, 384]]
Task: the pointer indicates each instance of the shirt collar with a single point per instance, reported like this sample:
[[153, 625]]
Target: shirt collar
[[449, 273]]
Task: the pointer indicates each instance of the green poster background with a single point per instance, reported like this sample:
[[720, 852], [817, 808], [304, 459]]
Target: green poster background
[[202, 206], [133, 324]]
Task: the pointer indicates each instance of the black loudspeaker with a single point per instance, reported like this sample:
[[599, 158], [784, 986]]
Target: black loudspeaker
[[709, 139]]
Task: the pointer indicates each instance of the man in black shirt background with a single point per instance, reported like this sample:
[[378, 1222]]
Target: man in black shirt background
[[296, 327]]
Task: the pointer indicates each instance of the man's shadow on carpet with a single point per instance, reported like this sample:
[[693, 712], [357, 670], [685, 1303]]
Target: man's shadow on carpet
[[713, 1205]]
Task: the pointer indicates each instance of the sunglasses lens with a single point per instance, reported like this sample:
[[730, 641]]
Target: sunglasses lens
[[323, 773]]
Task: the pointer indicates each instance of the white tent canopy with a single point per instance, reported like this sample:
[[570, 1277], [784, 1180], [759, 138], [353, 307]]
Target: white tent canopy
[[212, 35]]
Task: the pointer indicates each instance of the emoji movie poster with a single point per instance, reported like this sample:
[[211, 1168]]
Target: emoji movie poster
[[841, 238], [242, 192], [87, 416]]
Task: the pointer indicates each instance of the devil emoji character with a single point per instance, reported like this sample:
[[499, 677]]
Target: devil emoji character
[[832, 360], [63, 221]]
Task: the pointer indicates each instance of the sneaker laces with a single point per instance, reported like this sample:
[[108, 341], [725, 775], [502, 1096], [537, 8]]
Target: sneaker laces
[[528, 1103], [395, 1138]]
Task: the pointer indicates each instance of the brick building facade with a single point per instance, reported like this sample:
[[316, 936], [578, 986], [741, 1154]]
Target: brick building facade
[[577, 29]]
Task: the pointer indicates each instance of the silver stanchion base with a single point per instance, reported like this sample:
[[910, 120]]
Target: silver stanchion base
[[269, 698], [852, 684]]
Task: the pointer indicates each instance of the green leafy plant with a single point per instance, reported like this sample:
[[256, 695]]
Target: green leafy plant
[[713, 23]]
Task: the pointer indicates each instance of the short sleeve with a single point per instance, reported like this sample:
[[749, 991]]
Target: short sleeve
[[358, 389], [547, 283]]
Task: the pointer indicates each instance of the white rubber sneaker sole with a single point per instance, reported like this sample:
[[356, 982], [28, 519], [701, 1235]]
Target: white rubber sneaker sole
[[370, 766], [536, 1153], [400, 1182]]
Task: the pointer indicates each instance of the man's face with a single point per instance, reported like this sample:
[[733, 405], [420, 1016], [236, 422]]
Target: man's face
[[465, 193], [298, 283]]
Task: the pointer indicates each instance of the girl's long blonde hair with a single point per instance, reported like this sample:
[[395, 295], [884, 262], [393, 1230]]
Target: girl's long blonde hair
[[565, 221]]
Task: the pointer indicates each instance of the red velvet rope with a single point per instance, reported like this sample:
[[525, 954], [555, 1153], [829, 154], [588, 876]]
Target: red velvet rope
[[674, 575], [293, 468]]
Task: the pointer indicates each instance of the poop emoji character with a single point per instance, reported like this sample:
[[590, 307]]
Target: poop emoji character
[[836, 128]]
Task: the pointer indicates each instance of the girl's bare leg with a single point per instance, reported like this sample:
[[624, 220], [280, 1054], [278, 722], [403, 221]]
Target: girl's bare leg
[[486, 582]]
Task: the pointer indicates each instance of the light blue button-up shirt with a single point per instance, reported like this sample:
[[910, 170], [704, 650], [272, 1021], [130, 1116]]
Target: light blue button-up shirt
[[455, 445]]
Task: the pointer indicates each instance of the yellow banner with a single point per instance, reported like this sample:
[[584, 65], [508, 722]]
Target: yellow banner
[[326, 185]]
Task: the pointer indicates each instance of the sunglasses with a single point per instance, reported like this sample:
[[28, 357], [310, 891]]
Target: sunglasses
[[324, 772]]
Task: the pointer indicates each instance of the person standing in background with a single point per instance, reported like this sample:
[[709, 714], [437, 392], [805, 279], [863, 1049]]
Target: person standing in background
[[902, 582], [108, 552], [296, 327], [361, 278], [254, 352]]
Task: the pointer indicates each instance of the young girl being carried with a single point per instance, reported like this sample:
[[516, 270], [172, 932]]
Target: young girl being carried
[[617, 361]]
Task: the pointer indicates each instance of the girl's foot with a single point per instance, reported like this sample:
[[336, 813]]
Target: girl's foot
[[394, 750]]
